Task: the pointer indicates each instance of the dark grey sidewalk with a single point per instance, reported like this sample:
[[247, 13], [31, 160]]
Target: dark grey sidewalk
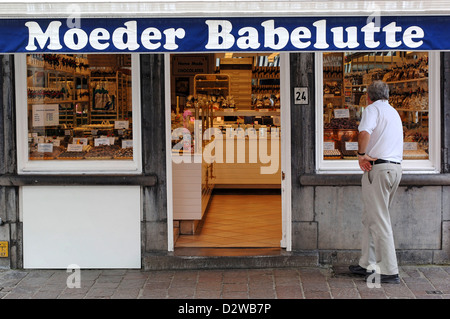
[[417, 282]]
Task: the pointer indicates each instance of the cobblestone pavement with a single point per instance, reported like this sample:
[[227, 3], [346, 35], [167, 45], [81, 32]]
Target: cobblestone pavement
[[417, 282]]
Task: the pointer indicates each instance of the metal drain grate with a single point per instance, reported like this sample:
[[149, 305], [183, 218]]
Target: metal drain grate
[[434, 292]]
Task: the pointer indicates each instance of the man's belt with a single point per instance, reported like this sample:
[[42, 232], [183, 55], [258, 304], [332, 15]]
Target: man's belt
[[382, 161]]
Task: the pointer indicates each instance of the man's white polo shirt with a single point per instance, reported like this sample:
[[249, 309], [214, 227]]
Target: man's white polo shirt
[[384, 125]]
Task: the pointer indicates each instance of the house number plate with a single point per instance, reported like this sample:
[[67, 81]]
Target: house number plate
[[301, 95]]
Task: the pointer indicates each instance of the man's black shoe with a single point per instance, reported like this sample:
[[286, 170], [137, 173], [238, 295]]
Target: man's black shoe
[[357, 269], [390, 279], [384, 279]]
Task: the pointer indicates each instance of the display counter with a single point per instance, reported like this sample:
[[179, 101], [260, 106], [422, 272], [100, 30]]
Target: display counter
[[260, 112], [250, 163], [192, 186]]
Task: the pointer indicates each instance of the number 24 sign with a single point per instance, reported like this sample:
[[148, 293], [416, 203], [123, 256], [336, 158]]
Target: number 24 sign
[[301, 95]]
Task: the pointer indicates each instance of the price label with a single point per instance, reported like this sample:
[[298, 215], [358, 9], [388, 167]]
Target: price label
[[127, 143], [45, 147], [410, 146], [121, 125], [341, 113], [102, 141], [75, 147], [328, 146], [351, 146]]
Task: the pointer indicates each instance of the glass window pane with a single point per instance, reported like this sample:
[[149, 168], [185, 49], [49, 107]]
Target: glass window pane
[[345, 79], [79, 107]]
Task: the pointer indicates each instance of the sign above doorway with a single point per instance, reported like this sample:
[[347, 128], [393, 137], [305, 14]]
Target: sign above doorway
[[353, 33]]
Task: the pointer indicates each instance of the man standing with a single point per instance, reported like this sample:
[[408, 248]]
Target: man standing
[[380, 152]]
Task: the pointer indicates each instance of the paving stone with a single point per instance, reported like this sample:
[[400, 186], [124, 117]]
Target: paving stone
[[289, 292], [153, 293], [46, 294], [345, 293], [100, 292], [235, 287], [181, 293], [262, 294], [417, 282], [126, 293], [132, 283], [208, 294]]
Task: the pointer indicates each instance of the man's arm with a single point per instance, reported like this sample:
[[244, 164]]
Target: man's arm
[[364, 160]]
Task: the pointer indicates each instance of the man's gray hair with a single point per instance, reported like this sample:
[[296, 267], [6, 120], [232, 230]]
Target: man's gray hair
[[378, 90]]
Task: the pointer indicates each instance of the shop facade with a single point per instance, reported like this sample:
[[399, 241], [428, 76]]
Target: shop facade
[[89, 113]]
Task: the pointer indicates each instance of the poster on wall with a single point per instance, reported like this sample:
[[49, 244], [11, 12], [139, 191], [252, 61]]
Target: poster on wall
[[45, 115], [182, 86]]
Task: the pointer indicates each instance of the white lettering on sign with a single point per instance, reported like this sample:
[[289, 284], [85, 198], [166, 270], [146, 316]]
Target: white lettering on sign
[[222, 36], [369, 35], [98, 35], [123, 38], [75, 39], [219, 34], [35, 33]]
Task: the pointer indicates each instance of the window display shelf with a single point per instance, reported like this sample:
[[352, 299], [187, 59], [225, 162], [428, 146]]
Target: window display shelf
[[246, 113], [407, 78], [389, 82], [66, 105]]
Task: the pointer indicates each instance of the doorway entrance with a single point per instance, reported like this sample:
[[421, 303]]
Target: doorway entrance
[[238, 218], [226, 148]]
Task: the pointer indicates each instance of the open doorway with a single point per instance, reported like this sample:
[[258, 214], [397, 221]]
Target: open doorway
[[226, 150]]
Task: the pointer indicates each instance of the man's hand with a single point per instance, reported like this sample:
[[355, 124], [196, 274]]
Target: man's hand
[[364, 162]]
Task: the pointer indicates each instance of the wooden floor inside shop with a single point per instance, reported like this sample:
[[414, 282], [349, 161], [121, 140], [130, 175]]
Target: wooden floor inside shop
[[239, 219]]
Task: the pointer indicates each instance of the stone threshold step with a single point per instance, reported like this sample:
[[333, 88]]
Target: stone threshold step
[[228, 258]]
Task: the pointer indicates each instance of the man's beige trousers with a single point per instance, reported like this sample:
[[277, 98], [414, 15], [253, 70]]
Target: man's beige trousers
[[378, 189]]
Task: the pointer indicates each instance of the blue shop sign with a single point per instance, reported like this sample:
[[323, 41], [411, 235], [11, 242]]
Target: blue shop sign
[[98, 35]]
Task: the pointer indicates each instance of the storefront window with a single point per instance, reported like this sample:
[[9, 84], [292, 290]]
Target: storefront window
[[346, 76], [79, 107]]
